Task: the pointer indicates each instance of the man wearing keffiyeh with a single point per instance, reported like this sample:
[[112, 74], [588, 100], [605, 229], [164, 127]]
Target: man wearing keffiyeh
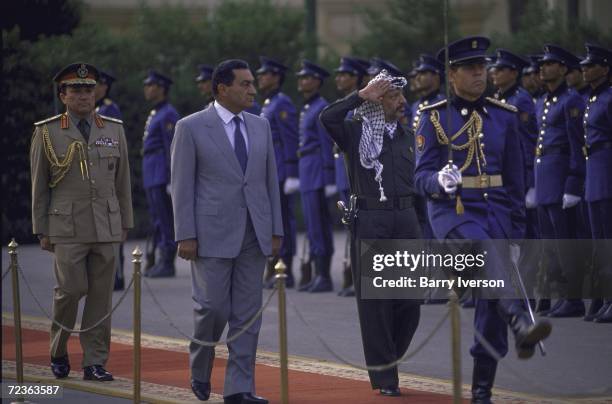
[[379, 155]]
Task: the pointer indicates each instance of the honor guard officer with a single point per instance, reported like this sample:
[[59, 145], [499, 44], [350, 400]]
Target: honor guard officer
[[380, 163], [81, 211], [349, 78], [559, 176], [279, 110], [158, 134], [597, 122], [490, 202], [530, 79], [316, 169], [574, 77], [104, 105], [107, 107], [429, 77], [506, 73], [204, 82]]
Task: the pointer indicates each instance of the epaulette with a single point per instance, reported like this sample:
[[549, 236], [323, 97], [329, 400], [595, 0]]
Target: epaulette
[[53, 118], [108, 118], [504, 105], [438, 104], [108, 101]]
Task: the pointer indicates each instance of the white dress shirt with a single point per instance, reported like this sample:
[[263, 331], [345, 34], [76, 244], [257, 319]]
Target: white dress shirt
[[227, 117]]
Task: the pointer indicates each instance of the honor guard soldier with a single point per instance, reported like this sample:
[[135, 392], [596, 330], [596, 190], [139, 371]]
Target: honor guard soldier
[[107, 107], [506, 73], [104, 105], [158, 134], [559, 176], [316, 169], [81, 211], [380, 164], [480, 197], [530, 79], [574, 77], [279, 110], [598, 188], [204, 82], [428, 80], [349, 78]]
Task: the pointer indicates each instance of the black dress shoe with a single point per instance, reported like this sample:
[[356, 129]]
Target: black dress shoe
[[527, 335], [60, 367], [244, 398], [97, 373], [200, 389], [390, 391]]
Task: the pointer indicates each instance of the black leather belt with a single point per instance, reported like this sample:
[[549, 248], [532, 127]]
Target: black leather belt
[[374, 203], [560, 149], [595, 147]]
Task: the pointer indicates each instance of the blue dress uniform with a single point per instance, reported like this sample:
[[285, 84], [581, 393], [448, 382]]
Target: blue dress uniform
[[528, 129], [356, 68], [279, 110], [488, 153], [426, 63], [205, 74], [598, 188], [316, 169], [158, 134], [107, 107], [559, 170]]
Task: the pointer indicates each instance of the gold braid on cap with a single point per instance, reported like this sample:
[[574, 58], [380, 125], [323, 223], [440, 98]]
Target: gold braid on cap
[[64, 166], [473, 127]]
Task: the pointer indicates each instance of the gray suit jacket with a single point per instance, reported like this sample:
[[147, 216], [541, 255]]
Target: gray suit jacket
[[211, 195]]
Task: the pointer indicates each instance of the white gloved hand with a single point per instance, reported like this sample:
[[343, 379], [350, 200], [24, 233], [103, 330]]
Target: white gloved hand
[[570, 200], [291, 185], [530, 198], [330, 190], [449, 178], [515, 252]]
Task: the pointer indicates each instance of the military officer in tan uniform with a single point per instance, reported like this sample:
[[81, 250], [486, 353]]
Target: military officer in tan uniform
[[81, 209]]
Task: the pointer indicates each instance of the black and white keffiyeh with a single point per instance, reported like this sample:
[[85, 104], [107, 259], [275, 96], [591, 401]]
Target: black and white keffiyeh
[[373, 129]]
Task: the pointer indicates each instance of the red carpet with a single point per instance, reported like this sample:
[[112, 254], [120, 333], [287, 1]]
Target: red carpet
[[172, 368]]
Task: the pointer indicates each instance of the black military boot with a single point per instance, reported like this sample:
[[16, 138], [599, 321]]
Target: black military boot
[[604, 315], [150, 261], [527, 334], [568, 308], [483, 376], [165, 267], [322, 282], [596, 305], [306, 280], [348, 288], [542, 306]]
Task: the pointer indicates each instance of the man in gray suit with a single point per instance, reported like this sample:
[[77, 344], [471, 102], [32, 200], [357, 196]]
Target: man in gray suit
[[227, 219]]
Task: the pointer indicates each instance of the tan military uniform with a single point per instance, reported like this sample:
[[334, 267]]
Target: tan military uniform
[[81, 199]]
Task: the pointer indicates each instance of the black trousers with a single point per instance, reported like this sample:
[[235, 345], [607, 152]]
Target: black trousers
[[387, 325]]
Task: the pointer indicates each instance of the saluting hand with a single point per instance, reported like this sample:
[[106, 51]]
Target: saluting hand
[[188, 249], [375, 90]]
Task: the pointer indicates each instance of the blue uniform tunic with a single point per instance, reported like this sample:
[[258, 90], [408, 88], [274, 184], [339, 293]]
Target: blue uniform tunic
[[491, 212], [108, 107], [279, 110], [316, 169]]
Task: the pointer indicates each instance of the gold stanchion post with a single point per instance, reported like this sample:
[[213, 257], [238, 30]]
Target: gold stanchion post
[[280, 269], [12, 247], [137, 260], [455, 345]]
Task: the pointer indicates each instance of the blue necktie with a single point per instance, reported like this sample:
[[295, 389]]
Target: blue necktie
[[240, 145]]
